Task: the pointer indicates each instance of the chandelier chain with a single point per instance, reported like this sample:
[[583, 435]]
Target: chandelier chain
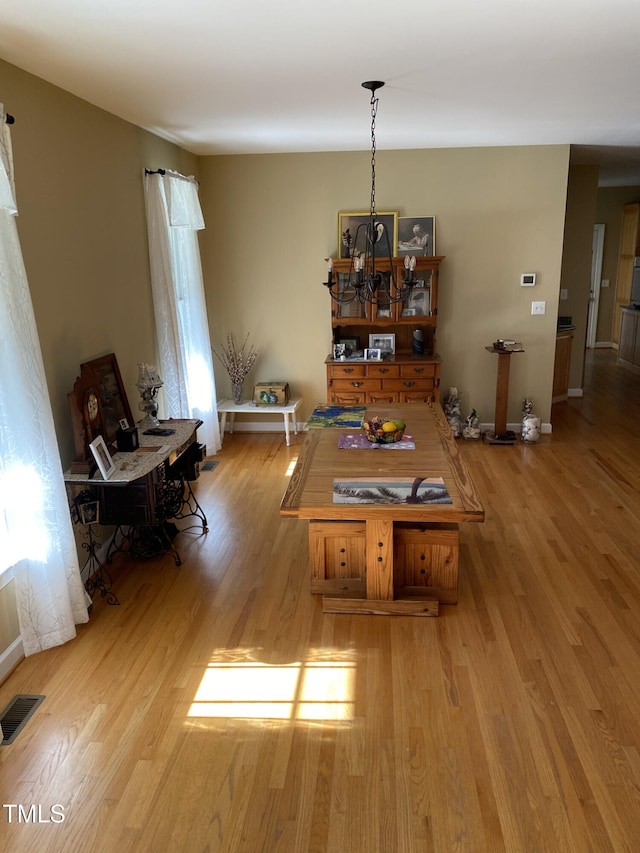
[[374, 110]]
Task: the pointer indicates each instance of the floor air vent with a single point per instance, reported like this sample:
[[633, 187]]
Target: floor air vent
[[14, 717]]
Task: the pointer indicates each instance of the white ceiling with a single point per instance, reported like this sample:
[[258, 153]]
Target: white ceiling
[[220, 77]]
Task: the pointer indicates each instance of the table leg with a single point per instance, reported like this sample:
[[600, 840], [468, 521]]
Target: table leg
[[379, 550], [379, 592], [286, 427], [223, 423]]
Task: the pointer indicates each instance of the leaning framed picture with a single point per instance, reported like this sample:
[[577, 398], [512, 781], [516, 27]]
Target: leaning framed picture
[[113, 397], [385, 343], [352, 234], [416, 236], [102, 456], [372, 354]]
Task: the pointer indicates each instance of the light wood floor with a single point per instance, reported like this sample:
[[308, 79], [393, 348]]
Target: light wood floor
[[218, 709]]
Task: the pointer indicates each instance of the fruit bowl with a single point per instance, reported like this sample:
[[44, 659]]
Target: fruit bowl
[[380, 431]]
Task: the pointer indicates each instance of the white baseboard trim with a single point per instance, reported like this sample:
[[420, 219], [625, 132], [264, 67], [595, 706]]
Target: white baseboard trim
[[575, 392], [262, 426], [605, 345], [517, 428], [10, 658]]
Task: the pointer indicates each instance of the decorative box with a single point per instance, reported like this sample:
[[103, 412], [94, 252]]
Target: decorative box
[[271, 394], [127, 440]]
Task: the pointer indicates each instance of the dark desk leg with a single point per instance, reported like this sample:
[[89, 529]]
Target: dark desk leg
[[190, 508], [98, 578], [145, 540]]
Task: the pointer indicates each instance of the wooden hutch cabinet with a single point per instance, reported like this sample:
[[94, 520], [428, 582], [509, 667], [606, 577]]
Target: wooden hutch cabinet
[[399, 378], [629, 347]]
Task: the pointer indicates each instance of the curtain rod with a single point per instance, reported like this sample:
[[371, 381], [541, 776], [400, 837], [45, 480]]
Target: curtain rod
[[171, 174]]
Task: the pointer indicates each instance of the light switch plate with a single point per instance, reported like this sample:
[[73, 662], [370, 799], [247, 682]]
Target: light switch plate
[[538, 307]]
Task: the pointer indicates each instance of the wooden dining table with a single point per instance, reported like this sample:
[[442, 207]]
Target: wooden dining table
[[383, 557]]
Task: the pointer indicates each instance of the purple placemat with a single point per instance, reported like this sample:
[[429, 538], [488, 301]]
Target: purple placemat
[[358, 441]]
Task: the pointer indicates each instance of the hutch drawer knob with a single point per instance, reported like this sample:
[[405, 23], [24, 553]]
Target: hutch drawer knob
[[348, 369], [418, 369], [384, 370], [408, 384], [356, 384]]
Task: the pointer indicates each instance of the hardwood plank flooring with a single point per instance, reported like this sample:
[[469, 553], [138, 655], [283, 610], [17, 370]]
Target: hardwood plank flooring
[[219, 709]]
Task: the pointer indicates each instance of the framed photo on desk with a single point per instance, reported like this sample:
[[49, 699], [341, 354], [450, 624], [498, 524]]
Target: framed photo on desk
[[103, 457]]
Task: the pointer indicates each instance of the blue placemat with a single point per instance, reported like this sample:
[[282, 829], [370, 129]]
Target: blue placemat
[[336, 417]]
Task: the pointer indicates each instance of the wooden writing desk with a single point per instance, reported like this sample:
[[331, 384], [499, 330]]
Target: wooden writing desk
[[147, 488], [383, 558]]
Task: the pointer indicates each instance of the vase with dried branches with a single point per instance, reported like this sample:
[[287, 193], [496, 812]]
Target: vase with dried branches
[[237, 362]]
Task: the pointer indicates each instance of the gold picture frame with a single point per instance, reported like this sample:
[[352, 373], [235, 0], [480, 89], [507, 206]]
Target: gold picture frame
[[354, 225]]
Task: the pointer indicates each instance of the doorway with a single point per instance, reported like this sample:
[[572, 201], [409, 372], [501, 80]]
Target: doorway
[[597, 248]]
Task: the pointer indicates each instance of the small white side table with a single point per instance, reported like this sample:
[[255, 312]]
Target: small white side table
[[248, 407]]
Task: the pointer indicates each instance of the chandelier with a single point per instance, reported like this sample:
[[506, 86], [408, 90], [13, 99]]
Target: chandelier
[[366, 282]]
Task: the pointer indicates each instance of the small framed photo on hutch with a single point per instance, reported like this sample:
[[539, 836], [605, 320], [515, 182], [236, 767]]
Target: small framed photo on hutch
[[372, 354], [351, 344], [418, 304], [103, 457], [352, 234], [385, 343], [416, 236]]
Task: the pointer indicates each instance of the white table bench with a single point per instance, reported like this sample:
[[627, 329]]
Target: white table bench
[[248, 407]]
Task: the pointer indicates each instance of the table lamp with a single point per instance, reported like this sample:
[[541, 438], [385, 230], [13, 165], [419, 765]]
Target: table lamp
[[149, 383]]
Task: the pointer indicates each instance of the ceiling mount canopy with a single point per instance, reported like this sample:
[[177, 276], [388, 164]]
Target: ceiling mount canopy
[[372, 85]]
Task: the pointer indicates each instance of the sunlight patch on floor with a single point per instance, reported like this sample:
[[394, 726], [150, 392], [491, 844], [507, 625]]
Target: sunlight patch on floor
[[292, 465], [315, 690]]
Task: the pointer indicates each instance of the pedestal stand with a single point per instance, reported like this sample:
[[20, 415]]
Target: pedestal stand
[[501, 435]]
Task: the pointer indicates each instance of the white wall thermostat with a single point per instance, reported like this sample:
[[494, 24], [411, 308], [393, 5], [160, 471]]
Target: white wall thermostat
[[528, 279]]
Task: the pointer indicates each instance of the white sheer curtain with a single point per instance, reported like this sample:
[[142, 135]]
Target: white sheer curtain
[[174, 217], [36, 536]]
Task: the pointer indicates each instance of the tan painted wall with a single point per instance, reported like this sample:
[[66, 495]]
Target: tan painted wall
[[82, 231], [271, 221]]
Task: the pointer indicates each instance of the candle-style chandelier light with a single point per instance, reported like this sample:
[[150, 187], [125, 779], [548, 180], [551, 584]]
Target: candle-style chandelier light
[[365, 282]]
